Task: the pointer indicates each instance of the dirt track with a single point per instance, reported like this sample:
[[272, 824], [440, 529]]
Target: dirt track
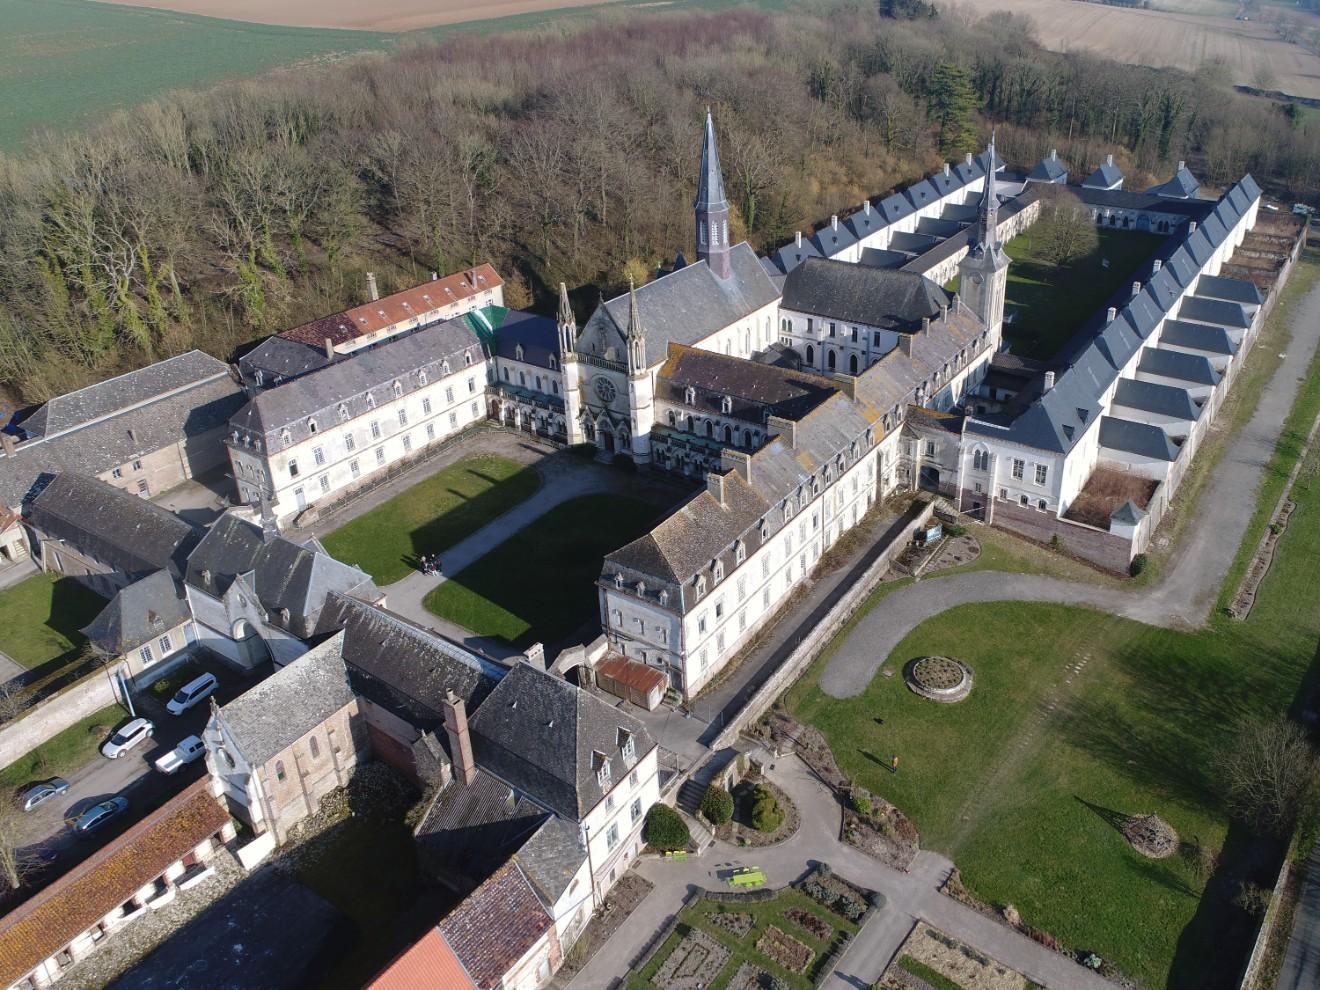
[[382, 15]]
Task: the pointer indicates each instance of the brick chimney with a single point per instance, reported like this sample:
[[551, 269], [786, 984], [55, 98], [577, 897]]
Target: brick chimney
[[460, 745], [372, 292]]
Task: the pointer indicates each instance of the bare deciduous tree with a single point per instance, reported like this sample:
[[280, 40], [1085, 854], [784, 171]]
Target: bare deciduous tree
[[1268, 774], [15, 864]]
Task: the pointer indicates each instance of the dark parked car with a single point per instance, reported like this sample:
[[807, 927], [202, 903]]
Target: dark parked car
[[98, 814]]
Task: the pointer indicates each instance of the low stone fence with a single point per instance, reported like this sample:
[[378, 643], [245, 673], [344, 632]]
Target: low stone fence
[[55, 714], [893, 543], [1259, 952]]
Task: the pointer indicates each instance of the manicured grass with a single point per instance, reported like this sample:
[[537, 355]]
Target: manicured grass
[[764, 914], [41, 619], [66, 752], [539, 584], [937, 980], [1050, 302], [432, 515], [1024, 783]]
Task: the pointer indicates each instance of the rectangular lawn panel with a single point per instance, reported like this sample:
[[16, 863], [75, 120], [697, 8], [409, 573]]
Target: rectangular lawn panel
[[65, 752], [432, 515], [40, 618], [539, 584], [1076, 720], [1049, 302]]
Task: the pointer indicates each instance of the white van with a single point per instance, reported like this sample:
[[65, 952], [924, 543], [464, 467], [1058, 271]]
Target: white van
[[198, 689]]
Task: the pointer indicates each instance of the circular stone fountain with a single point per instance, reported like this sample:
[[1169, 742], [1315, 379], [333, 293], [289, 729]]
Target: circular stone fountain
[[939, 678]]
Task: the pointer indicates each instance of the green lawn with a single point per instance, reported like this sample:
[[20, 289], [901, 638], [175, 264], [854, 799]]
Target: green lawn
[[764, 914], [66, 752], [42, 616], [432, 515], [1025, 797], [1050, 302], [539, 585]]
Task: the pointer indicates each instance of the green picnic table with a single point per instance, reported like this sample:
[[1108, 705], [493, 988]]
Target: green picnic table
[[747, 877]]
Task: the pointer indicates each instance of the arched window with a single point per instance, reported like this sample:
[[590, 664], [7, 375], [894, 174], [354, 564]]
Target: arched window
[[371, 401], [518, 352], [672, 418], [710, 429], [852, 364], [747, 438], [691, 424], [811, 356], [316, 748], [717, 569], [980, 459], [830, 360], [728, 435]]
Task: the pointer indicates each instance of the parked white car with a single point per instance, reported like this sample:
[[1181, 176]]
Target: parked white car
[[198, 689], [133, 734], [181, 755]]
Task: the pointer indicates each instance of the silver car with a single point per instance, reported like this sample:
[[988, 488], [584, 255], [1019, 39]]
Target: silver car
[[39, 794], [132, 734]]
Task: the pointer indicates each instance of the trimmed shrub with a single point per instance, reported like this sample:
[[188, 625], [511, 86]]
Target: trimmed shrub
[[1138, 564], [861, 804], [664, 829], [766, 813], [717, 805]]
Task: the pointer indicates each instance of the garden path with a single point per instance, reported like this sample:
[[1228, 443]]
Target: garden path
[[909, 897], [1193, 576]]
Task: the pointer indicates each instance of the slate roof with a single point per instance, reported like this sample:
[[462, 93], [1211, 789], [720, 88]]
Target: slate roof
[[864, 222], [685, 307], [537, 335], [349, 380], [1203, 310], [495, 926], [1181, 185], [402, 667], [473, 828], [879, 297], [756, 389], [1152, 397], [117, 439], [831, 240], [398, 307], [155, 381], [1122, 199], [280, 358], [1049, 169], [1178, 365], [1141, 439], [545, 736], [1106, 176], [428, 962], [1201, 336], [1229, 289], [552, 857], [138, 614], [283, 574], [128, 533], [792, 254], [51, 918], [1128, 514], [278, 711], [710, 181], [883, 258]]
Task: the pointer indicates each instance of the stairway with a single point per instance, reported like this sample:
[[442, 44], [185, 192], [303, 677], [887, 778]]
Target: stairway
[[694, 788]]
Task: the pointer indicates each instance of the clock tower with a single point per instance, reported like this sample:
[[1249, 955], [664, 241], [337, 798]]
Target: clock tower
[[983, 273]]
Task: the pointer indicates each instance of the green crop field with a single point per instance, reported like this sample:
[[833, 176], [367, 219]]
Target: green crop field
[[69, 62]]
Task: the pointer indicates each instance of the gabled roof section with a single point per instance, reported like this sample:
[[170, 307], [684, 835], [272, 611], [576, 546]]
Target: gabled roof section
[[895, 207], [1151, 397], [275, 713], [115, 395], [1181, 185], [1220, 311], [833, 239], [495, 926], [1106, 176], [138, 614], [754, 388], [1128, 514], [128, 533], [45, 923], [1229, 289], [1049, 169], [538, 336], [1141, 439], [546, 737], [864, 222], [795, 252], [876, 297], [922, 194], [1178, 365], [685, 307], [1201, 336], [552, 857], [428, 962]]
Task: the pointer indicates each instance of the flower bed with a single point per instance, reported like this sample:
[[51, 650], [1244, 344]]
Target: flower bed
[[779, 946], [692, 964], [749, 977], [829, 891], [736, 923], [810, 924]]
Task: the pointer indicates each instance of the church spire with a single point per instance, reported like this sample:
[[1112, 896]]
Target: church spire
[[567, 323], [988, 214], [711, 207], [636, 336]]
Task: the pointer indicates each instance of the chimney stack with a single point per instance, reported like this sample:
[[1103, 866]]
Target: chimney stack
[[1136, 289], [1157, 266], [1191, 226], [947, 168], [905, 343], [460, 745], [834, 222], [1113, 314], [715, 485], [1049, 381], [1054, 154], [329, 349], [1109, 160], [969, 158], [797, 240], [7, 444], [866, 207], [1181, 165], [372, 292], [435, 276], [944, 312], [925, 323]]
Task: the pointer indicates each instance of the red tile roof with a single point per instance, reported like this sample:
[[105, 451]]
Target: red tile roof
[[50, 919], [496, 925], [429, 963], [401, 307]]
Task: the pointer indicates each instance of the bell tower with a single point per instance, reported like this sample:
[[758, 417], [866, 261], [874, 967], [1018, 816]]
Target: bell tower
[[983, 273], [711, 208], [568, 368]]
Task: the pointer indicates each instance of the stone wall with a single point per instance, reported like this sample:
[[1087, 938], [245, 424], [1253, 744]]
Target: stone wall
[[56, 714], [1113, 553]]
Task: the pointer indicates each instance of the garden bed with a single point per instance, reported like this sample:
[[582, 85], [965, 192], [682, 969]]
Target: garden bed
[[740, 830], [944, 963], [621, 901], [778, 945]]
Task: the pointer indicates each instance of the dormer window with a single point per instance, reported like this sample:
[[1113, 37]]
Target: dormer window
[[518, 352], [765, 530], [627, 746], [690, 396], [788, 509], [421, 378], [398, 390], [618, 579], [726, 404], [739, 552], [444, 367], [717, 570], [343, 413], [286, 436], [641, 589], [311, 425], [371, 401], [467, 358], [699, 586], [602, 770]]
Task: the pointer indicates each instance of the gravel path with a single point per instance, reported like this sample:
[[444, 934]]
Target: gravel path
[[1193, 575]]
